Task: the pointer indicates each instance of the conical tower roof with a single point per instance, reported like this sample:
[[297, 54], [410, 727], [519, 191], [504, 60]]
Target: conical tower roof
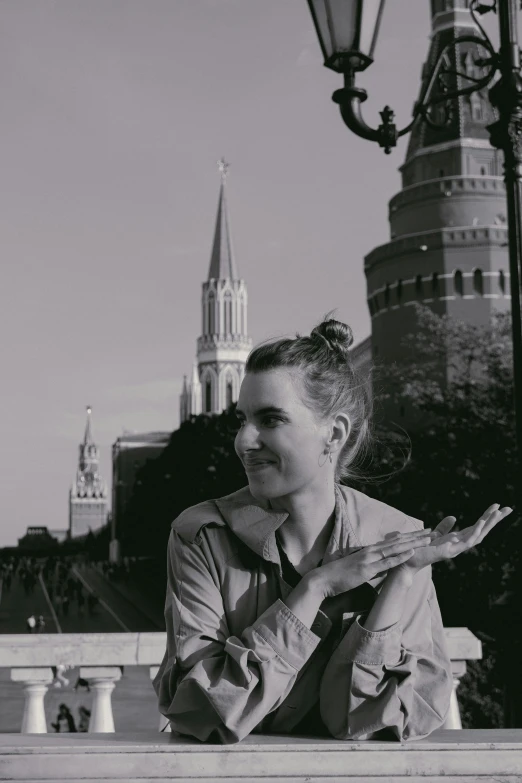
[[222, 260], [469, 114]]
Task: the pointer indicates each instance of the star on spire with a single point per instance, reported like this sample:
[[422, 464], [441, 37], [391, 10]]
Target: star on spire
[[223, 167]]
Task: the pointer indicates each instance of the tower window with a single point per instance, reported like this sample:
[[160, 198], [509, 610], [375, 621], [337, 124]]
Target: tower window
[[229, 394], [370, 306], [399, 291], [419, 286], [502, 281], [376, 303], [482, 170], [387, 295], [208, 396], [228, 313], [211, 313], [441, 172], [435, 283], [478, 282], [458, 282]]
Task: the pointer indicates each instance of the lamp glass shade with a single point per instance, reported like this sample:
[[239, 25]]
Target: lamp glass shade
[[347, 31]]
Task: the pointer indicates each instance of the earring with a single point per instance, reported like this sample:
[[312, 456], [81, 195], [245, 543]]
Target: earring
[[330, 456], [323, 463]]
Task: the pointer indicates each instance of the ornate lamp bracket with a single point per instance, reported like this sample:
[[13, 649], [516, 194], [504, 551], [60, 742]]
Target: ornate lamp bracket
[[436, 93]]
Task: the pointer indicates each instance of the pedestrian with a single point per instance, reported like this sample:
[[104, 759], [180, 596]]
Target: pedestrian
[[40, 624], [64, 720], [85, 714], [274, 619], [31, 623]]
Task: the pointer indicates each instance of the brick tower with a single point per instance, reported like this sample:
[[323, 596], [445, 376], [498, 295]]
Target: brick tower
[[448, 229]]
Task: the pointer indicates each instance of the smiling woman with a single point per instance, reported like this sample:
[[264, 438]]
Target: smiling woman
[[298, 604]]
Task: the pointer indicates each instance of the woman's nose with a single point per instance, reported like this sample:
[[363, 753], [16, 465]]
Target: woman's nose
[[247, 438]]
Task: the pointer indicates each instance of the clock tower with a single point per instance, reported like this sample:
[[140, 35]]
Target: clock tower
[[88, 494]]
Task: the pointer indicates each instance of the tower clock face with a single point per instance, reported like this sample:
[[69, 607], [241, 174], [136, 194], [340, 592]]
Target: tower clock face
[[89, 476]]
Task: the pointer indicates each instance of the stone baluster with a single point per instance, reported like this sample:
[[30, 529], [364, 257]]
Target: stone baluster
[[36, 681], [101, 680], [453, 720], [164, 724]]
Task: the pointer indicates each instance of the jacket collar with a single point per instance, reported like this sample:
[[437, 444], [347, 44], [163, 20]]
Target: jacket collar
[[256, 524]]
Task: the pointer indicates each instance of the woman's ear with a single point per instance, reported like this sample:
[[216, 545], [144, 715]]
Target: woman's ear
[[340, 431]]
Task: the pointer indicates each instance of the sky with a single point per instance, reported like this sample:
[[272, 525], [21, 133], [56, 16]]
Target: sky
[[114, 114]]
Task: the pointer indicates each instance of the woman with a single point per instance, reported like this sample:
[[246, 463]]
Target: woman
[[297, 604]]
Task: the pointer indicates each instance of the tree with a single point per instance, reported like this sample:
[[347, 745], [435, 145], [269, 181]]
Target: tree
[[199, 463], [459, 458]]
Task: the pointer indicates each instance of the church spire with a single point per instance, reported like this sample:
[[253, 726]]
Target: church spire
[[222, 261], [87, 438]]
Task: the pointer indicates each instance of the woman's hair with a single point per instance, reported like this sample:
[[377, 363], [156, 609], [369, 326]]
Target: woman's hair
[[330, 382]]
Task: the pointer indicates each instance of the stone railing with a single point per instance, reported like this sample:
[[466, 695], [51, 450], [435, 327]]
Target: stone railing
[[31, 659], [446, 756]]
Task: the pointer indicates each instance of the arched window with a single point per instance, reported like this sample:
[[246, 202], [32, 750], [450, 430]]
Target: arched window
[[211, 313], [419, 286], [376, 303], [435, 284], [208, 396], [458, 282], [478, 282], [229, 394], [228, 313], [387, 295], [502, 281], [399, 291]]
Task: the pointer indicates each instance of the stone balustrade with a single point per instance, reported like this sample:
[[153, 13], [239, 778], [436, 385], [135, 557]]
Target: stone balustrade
[[446, 757], [31, 659]]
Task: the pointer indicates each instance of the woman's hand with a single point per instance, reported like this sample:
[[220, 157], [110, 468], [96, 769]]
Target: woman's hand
[[446, 544], [355, 569]]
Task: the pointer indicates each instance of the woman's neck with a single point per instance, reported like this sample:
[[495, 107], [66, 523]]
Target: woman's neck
[[311, 516]]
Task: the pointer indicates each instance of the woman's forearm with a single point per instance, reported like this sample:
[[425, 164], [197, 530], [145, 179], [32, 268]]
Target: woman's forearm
[[306, 598], [389, 606]]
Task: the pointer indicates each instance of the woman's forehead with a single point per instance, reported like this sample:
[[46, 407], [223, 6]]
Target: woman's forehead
[[272, 388]]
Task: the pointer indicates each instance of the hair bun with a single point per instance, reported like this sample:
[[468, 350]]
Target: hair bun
[[336, 335]]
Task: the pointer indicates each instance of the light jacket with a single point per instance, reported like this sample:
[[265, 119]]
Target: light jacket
[[239, 661]]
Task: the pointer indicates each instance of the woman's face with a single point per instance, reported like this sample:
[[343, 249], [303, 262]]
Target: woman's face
[[281, 441]]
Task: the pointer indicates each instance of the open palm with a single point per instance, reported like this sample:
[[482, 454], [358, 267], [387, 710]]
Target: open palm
[[446, 544]]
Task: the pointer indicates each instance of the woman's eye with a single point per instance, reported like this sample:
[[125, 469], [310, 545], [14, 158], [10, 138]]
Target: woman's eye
[[270, 420]]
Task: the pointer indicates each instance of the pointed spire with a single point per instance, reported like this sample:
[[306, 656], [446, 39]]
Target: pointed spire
[[87, 438], [222, 261], [195, 374]]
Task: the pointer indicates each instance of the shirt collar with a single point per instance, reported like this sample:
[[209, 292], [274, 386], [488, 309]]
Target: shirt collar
[[255, 524]]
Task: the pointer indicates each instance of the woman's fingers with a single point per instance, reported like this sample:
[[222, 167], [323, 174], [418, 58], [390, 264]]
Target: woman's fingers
[[387, 550], [444, 527], [410, 535], [395, 560]]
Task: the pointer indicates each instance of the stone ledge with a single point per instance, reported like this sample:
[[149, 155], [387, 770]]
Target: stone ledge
[[445, 756]]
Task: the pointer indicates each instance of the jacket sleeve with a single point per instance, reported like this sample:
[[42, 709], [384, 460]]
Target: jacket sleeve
[[211, 684], [398, 679]]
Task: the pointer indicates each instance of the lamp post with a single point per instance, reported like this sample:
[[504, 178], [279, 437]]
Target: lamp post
[[347, 32]]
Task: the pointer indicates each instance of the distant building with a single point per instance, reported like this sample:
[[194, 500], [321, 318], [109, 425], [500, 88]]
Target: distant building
[[88, 495], [129, 453], [448, 230], [224, 344], [37, 538], [59, 535]]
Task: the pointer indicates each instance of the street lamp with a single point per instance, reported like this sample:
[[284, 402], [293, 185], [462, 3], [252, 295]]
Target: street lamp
[[347, 31]]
